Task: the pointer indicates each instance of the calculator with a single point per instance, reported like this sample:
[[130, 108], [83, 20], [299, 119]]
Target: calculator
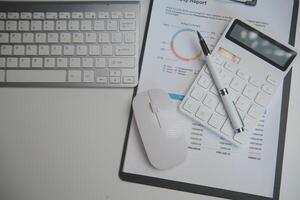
[[252, 66]]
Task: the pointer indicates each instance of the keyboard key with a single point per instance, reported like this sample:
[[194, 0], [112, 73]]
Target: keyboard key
[[73, 25], [127, 25], [107, 50], [12, 62], [129, 37], [237, 84], [197, 93], [37, 62], [268, 88], [243, 104], [191, 105], [56, 50], [11, 25], [38, 15], [75, 62], [87, 62], [220, 109], [250, 123], [86, 25], [4, 38], [211, 101], [94, 50], [116, 15], [114, 80], [90, 37], [19, 50], [52, 37], [100, 62], [2, 75], [36, 75], [230, 67], [256, 111], [128, 79], [62, 62], [112, 25], [242, 74], [23, 25], [227, 129], [101, 79], [61, 25], [48, 25], [88, 76], [263, 99], [250, 92], [65, 37], [104, 37], [64, 15], [77, 15], [36, 25], [78, 37], [69, 50], [26, 15], [49, 62], [129, 15], [114, 73], [99, 25], [90, 15], [116, 37], [2, 15], [121, 62], [81, 50], [6, 49], [273, 80], [51, 15], [40, 37], [103, 15], [204, 81], [124, 50], [203, 113], [2, 25], [74, 76], [13, 15], [254, 81], [2, 62], [28, 38], [216, 121]]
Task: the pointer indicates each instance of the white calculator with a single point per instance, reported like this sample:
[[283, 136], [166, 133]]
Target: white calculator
[[252, 66]]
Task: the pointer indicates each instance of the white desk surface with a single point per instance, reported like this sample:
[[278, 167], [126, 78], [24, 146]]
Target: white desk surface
[[66, 144]]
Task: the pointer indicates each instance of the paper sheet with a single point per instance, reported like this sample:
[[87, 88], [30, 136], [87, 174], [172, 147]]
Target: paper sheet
[[171, 62]]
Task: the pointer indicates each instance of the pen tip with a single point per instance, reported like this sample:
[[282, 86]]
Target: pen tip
[[199, 36]]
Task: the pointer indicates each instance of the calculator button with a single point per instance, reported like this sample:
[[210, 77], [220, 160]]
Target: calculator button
[[244, 75], [268, 88], [220, 109], [250, 92], [227, 129], [216, 121], [217, 60], [203, 113], [226, 77], [214, 90], [263, 99], [191, 105], [237, 84], [250, 123], [241, 137], [204, 81], [211, 101], [273, 80], [255, 82], [197, 93], [243, 104], [230, 67], [256, 111]]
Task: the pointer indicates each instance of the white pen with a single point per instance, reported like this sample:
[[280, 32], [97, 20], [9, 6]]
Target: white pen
[[231, 110]]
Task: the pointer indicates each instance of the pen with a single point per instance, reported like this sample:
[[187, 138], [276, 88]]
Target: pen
[[229, 106]]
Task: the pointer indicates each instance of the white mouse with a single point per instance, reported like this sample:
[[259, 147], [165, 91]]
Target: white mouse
[[158, 123]]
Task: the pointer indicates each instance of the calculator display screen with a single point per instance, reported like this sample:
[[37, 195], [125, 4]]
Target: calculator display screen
[[261, 45]]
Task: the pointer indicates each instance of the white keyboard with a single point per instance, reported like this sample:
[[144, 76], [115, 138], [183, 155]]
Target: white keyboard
[[69, 44], [250, 95]]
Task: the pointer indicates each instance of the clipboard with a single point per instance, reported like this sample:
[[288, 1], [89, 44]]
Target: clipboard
[[205, 190]]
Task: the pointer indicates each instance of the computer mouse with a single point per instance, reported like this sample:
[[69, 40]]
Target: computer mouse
[[159, 125]]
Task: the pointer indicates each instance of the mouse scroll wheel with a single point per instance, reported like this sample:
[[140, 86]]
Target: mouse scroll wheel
[[153, 107]]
